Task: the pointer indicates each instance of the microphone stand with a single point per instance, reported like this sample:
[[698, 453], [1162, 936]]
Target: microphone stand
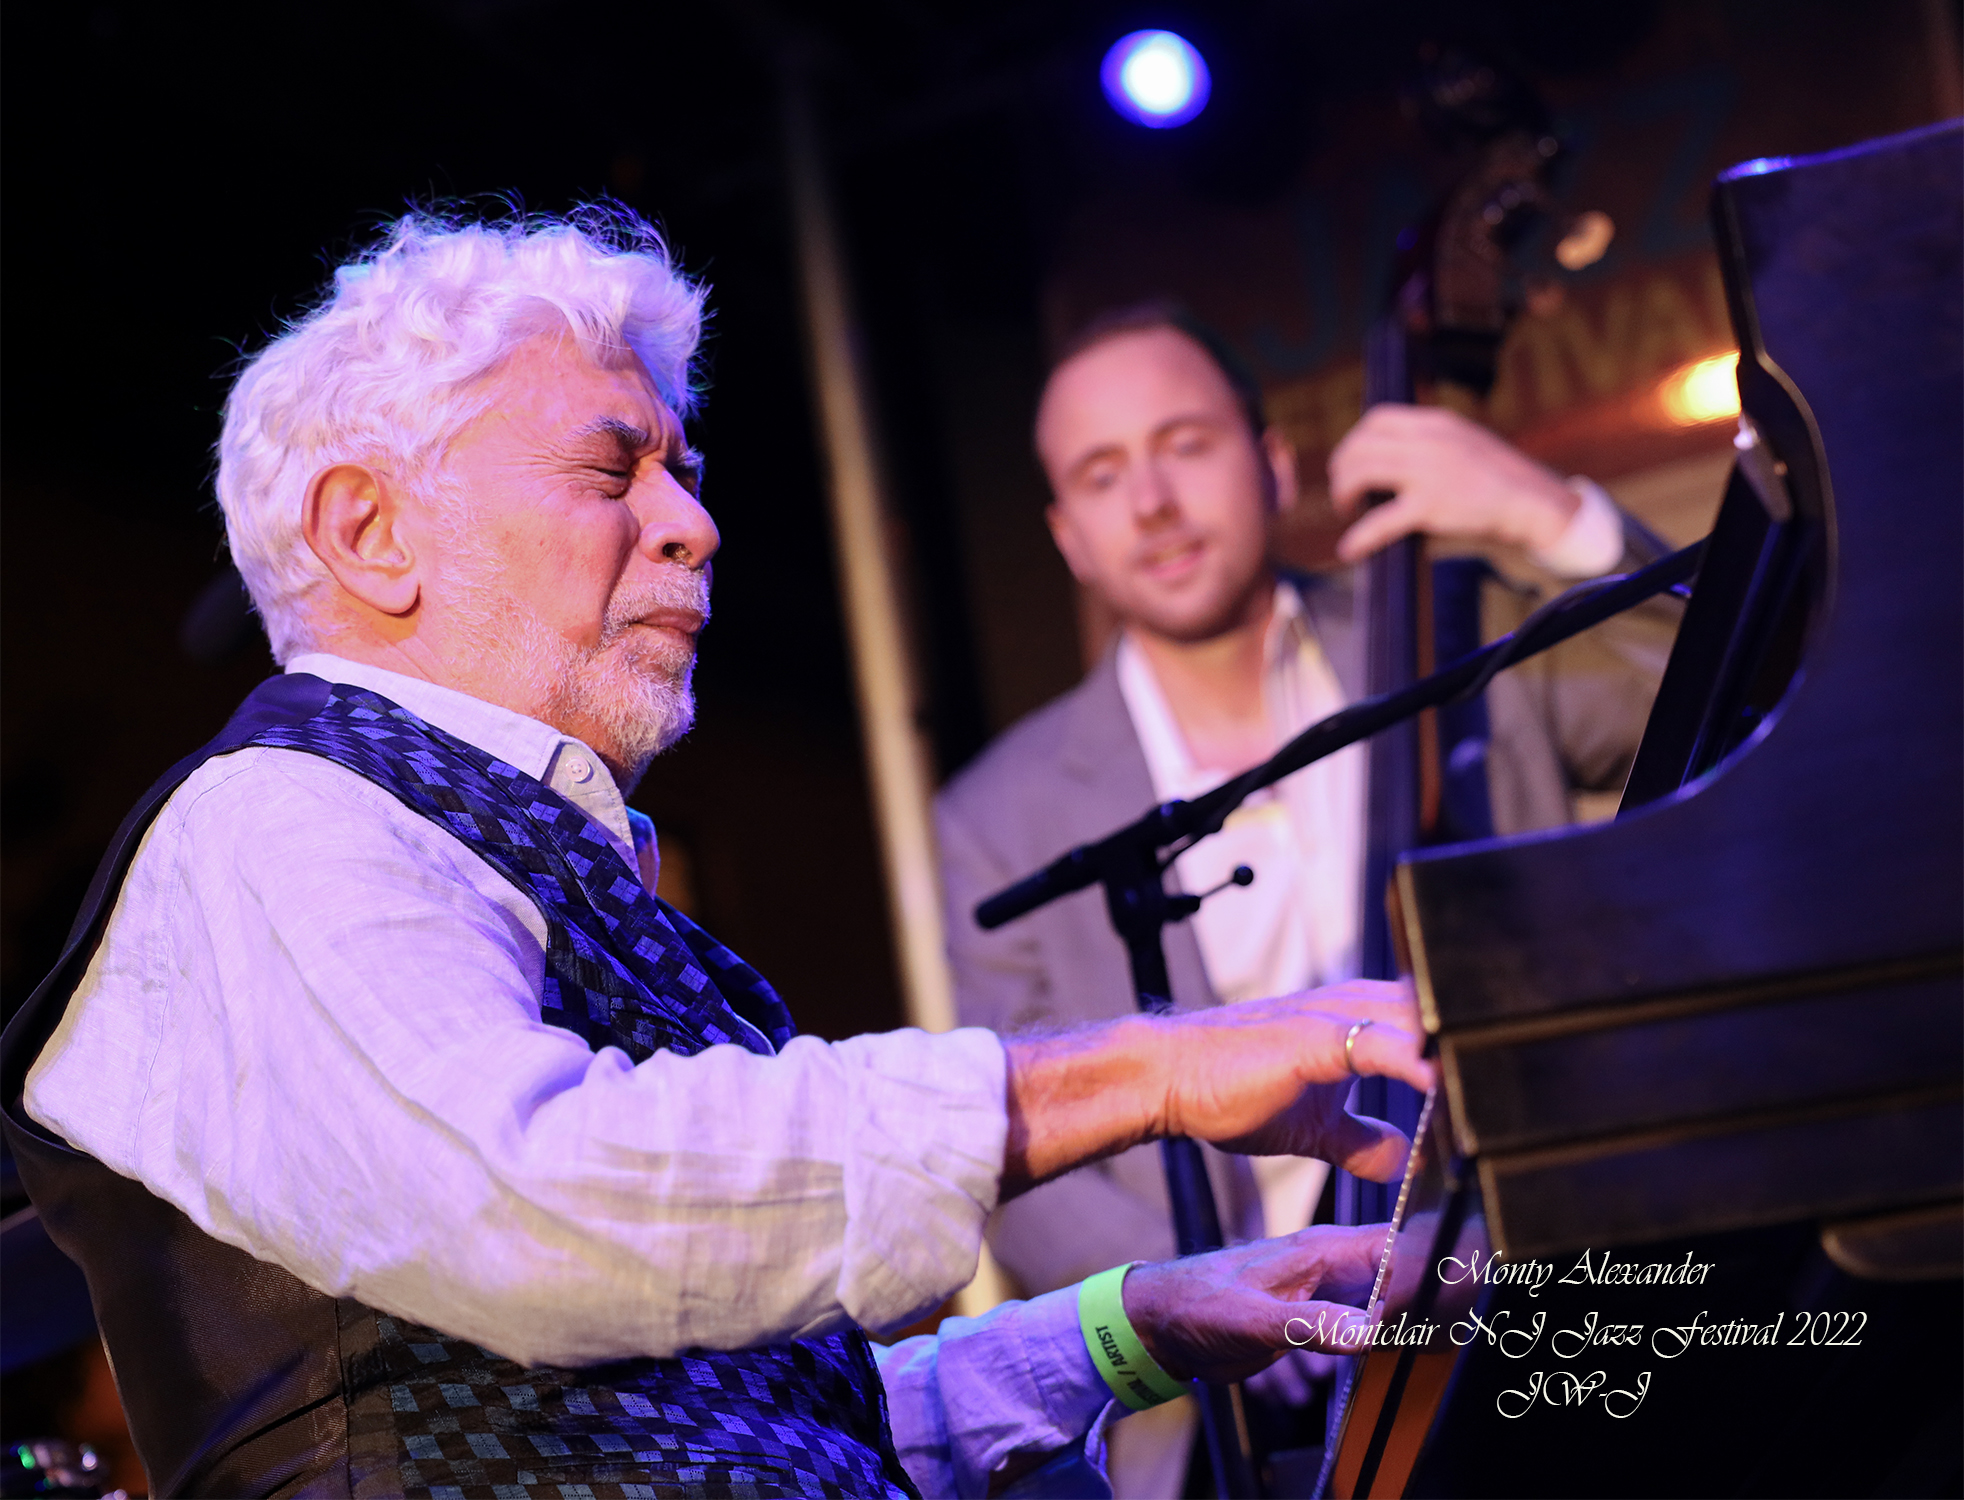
[[1131, 865], [1140, 907]]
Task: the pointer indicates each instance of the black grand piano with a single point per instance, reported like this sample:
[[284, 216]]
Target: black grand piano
[[1705, 1063]]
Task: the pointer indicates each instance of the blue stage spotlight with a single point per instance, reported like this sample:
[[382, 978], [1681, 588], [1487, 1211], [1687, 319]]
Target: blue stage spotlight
[[1155, 78]]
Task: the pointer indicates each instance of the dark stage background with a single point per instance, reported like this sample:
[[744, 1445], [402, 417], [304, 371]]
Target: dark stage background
[[178, 178]]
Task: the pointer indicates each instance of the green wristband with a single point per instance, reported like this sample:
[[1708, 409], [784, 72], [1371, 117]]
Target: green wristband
[[1134, 1376]]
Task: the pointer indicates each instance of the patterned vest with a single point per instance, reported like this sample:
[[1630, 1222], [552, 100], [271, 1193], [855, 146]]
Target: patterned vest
[[261, 1384]]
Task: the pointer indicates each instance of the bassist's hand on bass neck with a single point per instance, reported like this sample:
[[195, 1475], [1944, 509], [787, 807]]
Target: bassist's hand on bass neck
[[1447, 476]]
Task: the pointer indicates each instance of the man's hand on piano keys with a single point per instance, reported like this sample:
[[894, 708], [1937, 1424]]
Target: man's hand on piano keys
[[1232, 1313], [1271, 1077], [1263, 1077]]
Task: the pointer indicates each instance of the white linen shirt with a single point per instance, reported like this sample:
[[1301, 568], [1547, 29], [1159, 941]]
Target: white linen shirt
[[313, 1025]]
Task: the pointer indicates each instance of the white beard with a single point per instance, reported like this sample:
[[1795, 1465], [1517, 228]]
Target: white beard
[[637, 686], [631, 693]]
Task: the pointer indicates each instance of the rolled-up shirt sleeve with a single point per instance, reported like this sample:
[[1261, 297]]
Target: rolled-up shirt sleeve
[[314, 1026]]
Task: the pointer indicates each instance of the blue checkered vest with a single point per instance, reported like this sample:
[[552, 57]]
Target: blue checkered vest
[[387, 1407]]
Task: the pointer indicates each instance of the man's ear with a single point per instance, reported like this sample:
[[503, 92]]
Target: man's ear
[[1280, 455], [353, 519]]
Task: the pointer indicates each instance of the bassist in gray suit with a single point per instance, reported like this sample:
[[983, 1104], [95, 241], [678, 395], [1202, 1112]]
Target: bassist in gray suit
[[1165, 477]]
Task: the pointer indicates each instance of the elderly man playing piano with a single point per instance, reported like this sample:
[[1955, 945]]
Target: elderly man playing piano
[[413, 1147]]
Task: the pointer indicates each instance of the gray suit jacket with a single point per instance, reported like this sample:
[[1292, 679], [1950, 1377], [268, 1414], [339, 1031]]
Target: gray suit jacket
[[1073, 771]]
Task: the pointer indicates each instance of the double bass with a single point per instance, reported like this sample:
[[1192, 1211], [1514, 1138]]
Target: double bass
[[1457, 285]]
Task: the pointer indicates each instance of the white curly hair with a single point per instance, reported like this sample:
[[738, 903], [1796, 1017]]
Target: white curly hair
[[386, 369]]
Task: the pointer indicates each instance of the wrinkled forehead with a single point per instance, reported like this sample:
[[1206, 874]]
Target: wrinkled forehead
[[549, 386], [1124, 388]]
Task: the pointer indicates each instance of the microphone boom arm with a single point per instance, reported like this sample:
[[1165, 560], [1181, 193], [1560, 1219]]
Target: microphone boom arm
[[1178, 825]]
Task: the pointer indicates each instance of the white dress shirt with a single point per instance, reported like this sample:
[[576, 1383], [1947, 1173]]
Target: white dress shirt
[[313, 1025], [1296, 926]]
